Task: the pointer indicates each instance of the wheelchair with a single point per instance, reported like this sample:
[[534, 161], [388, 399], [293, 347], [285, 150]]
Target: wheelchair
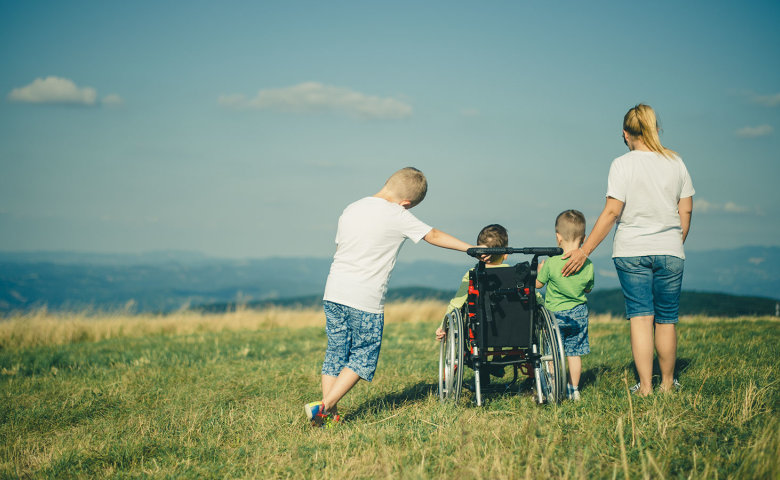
[[502, 324]]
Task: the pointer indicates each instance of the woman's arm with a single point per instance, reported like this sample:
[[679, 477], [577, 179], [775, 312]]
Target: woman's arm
[[685, 209], [611, 212]]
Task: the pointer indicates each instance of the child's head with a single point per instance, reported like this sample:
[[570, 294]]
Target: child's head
[[407, 184], [494, 236], [570, 227]]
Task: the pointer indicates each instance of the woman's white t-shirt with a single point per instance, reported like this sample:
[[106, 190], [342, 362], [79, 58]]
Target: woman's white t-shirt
[[370, 234], [650, 185]]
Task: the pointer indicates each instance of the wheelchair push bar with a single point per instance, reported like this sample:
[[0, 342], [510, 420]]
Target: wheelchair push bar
[[537, 251]]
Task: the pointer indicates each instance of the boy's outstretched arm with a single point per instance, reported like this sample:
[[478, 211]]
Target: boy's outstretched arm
[[445, 240]]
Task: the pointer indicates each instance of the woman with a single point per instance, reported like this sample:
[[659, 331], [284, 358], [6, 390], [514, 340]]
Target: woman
[[650, 196]]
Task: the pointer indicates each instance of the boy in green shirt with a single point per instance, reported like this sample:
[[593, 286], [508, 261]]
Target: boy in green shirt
[[565, 296]]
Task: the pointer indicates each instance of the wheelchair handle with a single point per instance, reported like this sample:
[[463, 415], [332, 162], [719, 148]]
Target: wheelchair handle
[[544, 251]]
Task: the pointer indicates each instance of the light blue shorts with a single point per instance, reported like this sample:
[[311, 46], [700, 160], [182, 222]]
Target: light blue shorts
[[354, 340], [651, 286], [573, 324]]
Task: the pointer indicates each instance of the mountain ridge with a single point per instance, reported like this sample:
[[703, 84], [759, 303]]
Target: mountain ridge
[[170, 280]]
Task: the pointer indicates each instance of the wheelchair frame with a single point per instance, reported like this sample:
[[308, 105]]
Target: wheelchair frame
[[466, 339]]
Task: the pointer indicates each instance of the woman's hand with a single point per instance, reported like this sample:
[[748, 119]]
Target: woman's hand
[[612, 210], [576, 261]]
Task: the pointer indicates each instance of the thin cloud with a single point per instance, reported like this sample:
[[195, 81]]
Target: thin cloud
[[755, 132], [772, 100], [704, 206], [315, 97], [54, 90], [732, 207], [113, 100]]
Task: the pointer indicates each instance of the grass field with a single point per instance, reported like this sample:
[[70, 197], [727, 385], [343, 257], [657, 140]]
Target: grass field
[[189, 395]]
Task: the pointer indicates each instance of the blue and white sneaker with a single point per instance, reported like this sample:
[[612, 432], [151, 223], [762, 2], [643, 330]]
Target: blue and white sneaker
[[315, 412], [314, 409]]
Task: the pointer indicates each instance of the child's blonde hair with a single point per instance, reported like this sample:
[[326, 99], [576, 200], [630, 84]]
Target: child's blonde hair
[[570, 225], [493, 235], [408, 184]]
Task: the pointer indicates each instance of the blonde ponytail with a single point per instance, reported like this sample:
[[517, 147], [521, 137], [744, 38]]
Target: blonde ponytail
[[641, 122]]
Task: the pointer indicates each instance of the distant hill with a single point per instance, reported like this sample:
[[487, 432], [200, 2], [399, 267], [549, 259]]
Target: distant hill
[[601, 301], [171, 280]]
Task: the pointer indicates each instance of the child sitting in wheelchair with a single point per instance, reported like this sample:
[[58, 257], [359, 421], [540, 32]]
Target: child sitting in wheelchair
[[493, 235], [565, 296]]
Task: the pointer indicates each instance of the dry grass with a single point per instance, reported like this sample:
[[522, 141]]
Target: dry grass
[[45, 328]]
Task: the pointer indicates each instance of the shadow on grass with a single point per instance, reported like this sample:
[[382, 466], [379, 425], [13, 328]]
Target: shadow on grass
[[680, 366], [590, 376], [421, 390], [394, 400]]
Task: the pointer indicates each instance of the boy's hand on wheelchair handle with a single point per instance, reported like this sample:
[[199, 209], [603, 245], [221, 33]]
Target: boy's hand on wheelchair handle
[[485, 257]]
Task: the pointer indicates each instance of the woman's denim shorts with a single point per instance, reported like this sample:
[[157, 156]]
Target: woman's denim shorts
[[354, 340], [651, 286]]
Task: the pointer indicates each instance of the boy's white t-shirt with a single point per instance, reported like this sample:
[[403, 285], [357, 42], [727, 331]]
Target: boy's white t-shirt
[[650, 185], [370, 234]]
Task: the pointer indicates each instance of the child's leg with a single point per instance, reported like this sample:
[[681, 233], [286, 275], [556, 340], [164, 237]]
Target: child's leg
[[575, 370], [327, 384], [337, 388], [354, 339], [573, 325], [337, 351]]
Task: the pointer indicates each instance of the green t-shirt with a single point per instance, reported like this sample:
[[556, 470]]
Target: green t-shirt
[[564, 293]]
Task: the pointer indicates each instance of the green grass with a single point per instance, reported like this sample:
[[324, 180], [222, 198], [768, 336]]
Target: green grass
[[229, 404]]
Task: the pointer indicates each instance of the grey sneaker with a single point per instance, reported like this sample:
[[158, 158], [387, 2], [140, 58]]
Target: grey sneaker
[[675, 386], [572, 392], [635, 388]]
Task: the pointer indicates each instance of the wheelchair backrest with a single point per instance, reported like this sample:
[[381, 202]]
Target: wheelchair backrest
[[503, 301]]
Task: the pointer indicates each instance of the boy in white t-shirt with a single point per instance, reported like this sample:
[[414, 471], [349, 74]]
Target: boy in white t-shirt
[[370, 234]]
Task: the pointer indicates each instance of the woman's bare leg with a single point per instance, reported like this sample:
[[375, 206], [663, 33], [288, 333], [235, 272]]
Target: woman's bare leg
[[666, 347], [642, 349]]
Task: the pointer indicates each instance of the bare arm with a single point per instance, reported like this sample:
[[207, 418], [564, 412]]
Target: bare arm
[[445, 240], [539, 269], [612, 210], [685, 209]]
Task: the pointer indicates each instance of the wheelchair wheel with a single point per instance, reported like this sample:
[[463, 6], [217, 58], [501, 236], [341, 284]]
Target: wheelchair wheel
[[451, 358], [551, 384]]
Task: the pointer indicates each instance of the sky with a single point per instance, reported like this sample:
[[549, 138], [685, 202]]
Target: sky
[[242, 129]]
